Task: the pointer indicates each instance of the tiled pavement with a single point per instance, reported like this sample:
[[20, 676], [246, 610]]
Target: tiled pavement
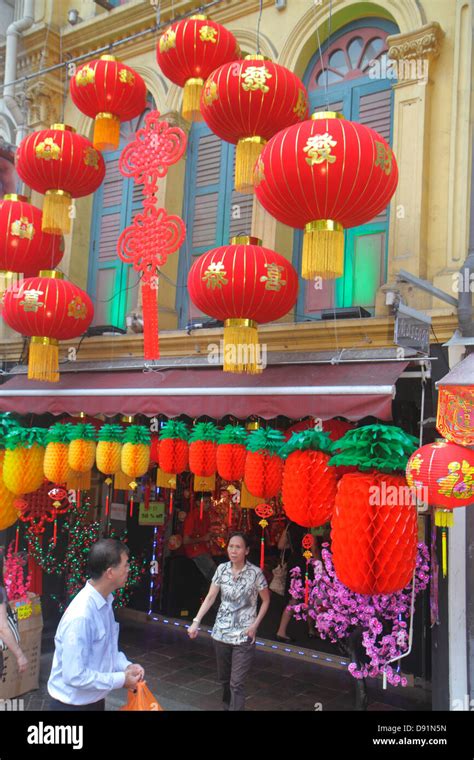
[[182, 675]]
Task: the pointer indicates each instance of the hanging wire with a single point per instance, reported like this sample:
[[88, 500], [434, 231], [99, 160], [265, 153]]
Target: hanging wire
[[258, 26]]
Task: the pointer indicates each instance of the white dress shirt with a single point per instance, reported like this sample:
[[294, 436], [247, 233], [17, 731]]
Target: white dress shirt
[[87, 664]]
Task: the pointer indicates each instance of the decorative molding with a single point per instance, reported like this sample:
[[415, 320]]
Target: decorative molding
[[424, 42], [306, 336]]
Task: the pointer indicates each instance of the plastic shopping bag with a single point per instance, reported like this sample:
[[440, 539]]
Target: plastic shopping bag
[[142, 699]]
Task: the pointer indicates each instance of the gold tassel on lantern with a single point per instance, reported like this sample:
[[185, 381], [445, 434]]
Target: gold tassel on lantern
[[246, 155], [191, 99], [43, 360], [444, 519], [323, 250], [240, 346], [56, 219], [106, 131]]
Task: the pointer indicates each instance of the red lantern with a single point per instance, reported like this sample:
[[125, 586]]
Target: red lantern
[[264, 465], [24, 247], [62, 165], [109, 92], [242, 284], [374, 533], [203, 449], [324, 175], [48, 309], [247, 102], [231, 452], [444, 473], [188, 51], [309, 482]]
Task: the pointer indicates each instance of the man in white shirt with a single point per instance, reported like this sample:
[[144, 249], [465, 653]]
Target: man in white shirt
[[87, 664]]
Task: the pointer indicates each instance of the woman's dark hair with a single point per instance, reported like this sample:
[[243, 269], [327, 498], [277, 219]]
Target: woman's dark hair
[[104, 554], [240, 534]]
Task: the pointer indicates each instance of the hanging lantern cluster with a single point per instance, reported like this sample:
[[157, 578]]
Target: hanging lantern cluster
[[325, 175], [243, 284], [309, 483], [24, 247], [188, 51], [374, 525], [109, 92], [246, 103], [47, 309], [61, 165]]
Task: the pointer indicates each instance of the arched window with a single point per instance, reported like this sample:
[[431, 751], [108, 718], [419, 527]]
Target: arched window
[[112, 284], [353, 72], [213, 211]]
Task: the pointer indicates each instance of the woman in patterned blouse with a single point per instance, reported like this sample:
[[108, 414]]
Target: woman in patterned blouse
[[235, 629]]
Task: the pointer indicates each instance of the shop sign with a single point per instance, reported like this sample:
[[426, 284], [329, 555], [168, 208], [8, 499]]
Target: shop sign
[[118, 511], [154, 515], [412, 333]]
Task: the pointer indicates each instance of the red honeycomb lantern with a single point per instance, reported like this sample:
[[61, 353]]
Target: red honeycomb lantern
[[325, 175], [263, 464], [174, 449], [62, 165], [188, 51], [231, 452], [373, 539], [48, 309], [242, 284], [24, 247], [247, 102], [203, 449], [109, 92], [309, 482]]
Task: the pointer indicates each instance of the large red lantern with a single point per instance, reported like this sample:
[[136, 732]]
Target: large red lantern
[[247, 102], [188, 51], [109, 92], [374, 533], [48, 309], [325, 175], [24, 247], [243, 284], [62, 165]]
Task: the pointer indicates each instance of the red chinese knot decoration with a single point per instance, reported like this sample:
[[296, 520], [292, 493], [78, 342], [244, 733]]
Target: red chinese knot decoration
[[62, 165], [323, 176], [109, 92], [154, 234]]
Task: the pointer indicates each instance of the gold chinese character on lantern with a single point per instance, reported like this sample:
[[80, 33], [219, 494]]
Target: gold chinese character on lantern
[[460, 481], [126, 76], [301, 104], [31, 300], [85, 76], [23, 228], [48, 150], [167, 41], [214, 276], [384, 157], [254, 78], [77, 308], [273, 278], [210, 93], [208, 34], [91, 158], [319, 148]]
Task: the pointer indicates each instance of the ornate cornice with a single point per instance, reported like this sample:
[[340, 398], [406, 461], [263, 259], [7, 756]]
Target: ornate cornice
[[424, 42]]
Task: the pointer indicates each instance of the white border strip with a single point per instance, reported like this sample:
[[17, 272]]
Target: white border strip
[[304, 390]]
